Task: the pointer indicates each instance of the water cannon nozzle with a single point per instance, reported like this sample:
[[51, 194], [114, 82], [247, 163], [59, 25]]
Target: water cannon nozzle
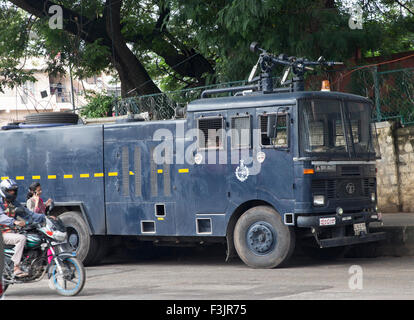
[[254, 47]]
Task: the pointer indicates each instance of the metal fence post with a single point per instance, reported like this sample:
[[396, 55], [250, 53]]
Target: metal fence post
[[377, 92]]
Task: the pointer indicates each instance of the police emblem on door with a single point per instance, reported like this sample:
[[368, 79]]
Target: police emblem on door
[[242, 172]]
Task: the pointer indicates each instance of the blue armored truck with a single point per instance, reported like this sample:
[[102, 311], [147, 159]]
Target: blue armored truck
[[262, 170]]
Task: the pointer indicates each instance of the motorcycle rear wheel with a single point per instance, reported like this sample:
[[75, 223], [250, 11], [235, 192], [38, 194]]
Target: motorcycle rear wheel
[[73, 279]]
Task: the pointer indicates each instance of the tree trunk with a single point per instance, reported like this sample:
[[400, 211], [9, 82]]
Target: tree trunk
[[134, 78]]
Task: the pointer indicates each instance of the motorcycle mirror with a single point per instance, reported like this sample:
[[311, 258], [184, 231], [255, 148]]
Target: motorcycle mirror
[[51, 206]]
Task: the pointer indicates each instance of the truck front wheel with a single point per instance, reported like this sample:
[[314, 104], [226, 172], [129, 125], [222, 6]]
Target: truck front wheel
[[85, 245], [261, 239]]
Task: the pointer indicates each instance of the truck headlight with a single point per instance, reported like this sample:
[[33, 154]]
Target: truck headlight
[[318, 200], [373, 197]]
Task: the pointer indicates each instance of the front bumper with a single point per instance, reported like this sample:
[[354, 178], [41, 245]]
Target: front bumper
[[346, 241], [319, 223]]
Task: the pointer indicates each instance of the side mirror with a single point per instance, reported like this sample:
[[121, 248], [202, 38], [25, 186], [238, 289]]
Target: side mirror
[[272, 126], [50, 208]]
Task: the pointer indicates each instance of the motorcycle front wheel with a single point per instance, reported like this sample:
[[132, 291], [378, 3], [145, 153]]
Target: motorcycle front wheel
[[72, 279]]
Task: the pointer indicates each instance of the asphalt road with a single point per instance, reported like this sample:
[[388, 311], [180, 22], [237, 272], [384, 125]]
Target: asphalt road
[[187, 273]]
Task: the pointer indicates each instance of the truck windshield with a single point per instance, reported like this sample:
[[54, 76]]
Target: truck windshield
[[333, 129]]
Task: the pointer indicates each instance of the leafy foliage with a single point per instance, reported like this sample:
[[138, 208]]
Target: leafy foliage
[[186, 43], [99, 105]]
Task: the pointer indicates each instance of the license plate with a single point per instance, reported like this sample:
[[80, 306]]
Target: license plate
[[327, 221], [359, 228]]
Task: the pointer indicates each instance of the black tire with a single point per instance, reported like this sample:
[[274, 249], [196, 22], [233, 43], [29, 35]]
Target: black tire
[[85, 245], [1, 256], [262, 240], [51, 117], [78, 282], [3, 287]]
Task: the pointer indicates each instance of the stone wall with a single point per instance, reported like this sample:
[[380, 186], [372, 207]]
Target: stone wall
[[395, 177]]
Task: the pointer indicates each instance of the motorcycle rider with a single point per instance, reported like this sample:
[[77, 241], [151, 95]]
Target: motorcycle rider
[[8, 218]]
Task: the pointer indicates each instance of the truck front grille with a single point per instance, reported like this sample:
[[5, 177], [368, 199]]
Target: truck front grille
[[344, 188]]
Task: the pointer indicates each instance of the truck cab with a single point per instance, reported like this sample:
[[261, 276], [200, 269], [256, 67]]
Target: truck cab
[[308, 159]]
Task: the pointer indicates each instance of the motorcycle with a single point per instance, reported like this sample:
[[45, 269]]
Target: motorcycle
[[47, 252]]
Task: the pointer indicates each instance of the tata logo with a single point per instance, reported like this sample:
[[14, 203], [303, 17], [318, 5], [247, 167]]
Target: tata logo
[[350, 188]]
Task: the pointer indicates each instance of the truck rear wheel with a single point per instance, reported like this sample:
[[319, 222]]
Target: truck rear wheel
[[85, 245], [262, 240]]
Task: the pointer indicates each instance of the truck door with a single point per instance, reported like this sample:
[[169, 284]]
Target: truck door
[[275, 180], [209, 174], [243, 166]]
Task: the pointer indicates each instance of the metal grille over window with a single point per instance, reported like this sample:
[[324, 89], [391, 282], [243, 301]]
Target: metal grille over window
[[153, 178], [211, 133], [166, 173], [281, 138], [125, 171], [241, 132], [137, 163]]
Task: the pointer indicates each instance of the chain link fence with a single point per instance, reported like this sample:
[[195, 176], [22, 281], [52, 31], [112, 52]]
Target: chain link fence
[[391, 91], [163, 105], [396, 95]]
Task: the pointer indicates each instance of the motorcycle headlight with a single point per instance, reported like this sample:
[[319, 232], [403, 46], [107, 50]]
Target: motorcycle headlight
[[59, 236], [318, 200]]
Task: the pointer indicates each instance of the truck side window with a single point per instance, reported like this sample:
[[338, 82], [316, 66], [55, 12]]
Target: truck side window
[[241, 132], [211, 133], [281, 141]]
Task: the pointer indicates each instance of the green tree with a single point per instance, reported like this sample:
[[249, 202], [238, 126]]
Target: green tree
[[159, 45], [99, 105]]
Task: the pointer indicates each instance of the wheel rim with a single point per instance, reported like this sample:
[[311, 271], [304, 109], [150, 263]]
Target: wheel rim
[[261, 238], [70, 281]]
